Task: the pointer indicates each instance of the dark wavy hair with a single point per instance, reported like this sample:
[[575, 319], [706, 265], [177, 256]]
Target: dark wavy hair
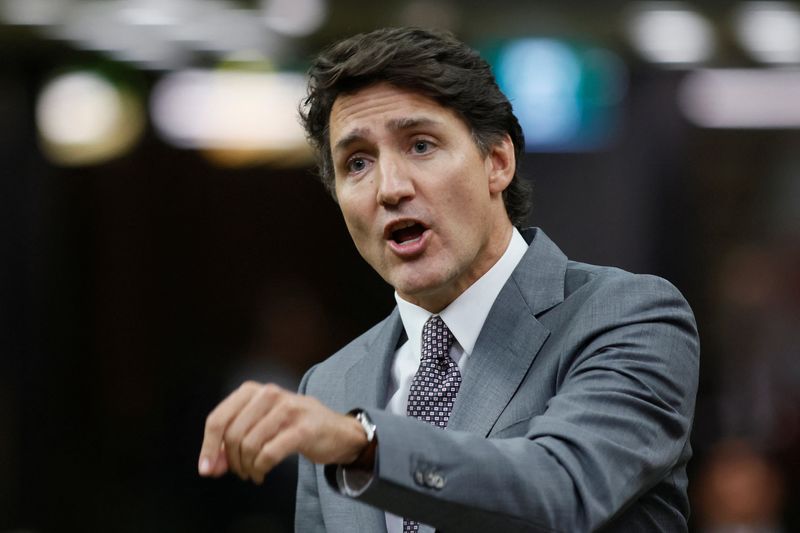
[[432, 63]]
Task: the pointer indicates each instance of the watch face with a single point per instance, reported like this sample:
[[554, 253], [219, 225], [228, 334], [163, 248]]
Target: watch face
[[366, 423]]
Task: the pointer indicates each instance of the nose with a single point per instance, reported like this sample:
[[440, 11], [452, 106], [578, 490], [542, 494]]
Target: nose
[[395, 182]]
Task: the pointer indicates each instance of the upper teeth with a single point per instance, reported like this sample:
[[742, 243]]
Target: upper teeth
[[403, 225]]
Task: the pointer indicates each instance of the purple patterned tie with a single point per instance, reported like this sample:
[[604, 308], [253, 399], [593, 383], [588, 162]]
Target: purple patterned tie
[[435, 384]]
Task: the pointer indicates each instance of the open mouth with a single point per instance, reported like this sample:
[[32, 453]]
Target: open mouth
[[407, 235], [405, 232]]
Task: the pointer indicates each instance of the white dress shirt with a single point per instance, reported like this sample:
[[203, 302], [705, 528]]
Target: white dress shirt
[[464, 317]]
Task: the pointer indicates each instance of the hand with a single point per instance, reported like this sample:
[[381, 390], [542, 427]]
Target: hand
[[257, 426]]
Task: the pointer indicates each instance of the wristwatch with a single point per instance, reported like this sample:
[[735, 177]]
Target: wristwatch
[[366, 423]]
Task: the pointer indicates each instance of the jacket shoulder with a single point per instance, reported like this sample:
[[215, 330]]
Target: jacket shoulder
[[605, 281]]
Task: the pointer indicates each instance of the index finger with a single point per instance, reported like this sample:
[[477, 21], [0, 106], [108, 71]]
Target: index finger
[[217, 422]]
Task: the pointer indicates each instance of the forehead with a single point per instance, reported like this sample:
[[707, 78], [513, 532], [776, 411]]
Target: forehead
[[378, 106]]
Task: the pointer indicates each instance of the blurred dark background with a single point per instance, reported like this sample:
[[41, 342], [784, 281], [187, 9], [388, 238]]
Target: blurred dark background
[[163, 236]]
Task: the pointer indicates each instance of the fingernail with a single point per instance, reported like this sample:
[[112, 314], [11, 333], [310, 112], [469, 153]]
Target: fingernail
[[205, 466]]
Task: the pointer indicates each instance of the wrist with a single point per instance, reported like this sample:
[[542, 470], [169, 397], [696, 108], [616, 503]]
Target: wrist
[[366, 456]]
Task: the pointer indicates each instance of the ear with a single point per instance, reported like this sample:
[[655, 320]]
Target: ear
[[501, 164]]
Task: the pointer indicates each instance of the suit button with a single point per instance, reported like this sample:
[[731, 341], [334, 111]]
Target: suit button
[[434, 480]]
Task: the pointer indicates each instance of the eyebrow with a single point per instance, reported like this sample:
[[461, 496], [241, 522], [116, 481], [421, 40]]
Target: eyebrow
[[396, 124]]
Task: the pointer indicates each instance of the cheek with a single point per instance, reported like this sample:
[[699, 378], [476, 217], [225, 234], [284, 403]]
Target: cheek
[[358, 221], [469, 176], [465, 198]]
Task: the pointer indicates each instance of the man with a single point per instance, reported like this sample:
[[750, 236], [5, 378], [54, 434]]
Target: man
[[511, 388]]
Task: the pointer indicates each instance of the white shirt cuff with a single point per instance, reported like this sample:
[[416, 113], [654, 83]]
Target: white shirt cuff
[[353, 481]]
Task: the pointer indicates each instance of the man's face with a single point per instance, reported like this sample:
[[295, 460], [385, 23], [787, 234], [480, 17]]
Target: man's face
[[422, 204]]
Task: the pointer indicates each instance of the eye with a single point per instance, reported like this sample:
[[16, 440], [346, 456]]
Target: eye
[[356, 164], [421, 147]]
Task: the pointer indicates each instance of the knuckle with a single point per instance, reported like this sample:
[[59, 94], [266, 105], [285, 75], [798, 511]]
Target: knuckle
[[233, 435], [282, 408], [249, 385], [266, 459], [293, 406], [270, 395], [303, 431], [250, 447], [270, 391], [213, 423]]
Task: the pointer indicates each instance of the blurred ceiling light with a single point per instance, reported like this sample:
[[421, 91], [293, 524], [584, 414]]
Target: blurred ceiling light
[[294, 17], [108, 27], [83, 119], [153, 12], [670, 33], [163, 34], [742, 99], [769, 31], [102, 26], [227, 110], [238, 30], [222, 29], [197, 21], [154, 53], [34, 12]]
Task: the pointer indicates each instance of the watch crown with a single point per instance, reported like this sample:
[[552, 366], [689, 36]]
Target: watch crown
[[366, 423]]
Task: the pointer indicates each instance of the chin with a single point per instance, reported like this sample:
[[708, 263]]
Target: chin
[[417, 279], [417, 290]]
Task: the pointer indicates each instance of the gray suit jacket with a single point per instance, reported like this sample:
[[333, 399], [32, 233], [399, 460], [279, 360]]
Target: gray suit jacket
[[574, 413]]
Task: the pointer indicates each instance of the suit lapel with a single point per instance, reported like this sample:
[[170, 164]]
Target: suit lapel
[[367, 381], [511, 337], [506, 347]]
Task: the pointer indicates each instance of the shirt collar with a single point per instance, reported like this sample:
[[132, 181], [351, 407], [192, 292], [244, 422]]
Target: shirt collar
[[466, 314]]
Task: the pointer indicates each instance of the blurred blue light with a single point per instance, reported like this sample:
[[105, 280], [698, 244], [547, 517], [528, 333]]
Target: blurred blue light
[[541, 77], [563, 95]]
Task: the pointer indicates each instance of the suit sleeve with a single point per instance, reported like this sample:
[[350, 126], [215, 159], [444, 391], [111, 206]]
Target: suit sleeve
[[617, 425], [308, 514]]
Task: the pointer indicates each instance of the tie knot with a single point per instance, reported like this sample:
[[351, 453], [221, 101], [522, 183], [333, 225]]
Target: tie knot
[[436, 338]]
